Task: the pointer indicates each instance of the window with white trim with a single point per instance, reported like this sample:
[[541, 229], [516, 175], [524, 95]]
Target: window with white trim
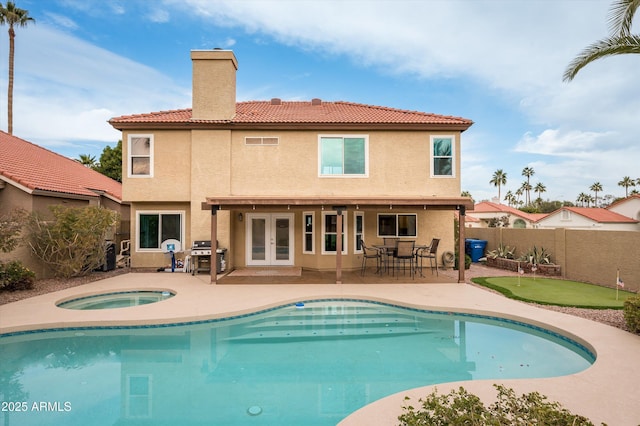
[[358, 231], [140, 158], [442, 152], [343, 156], [330, 233], [308, 234], [154, 227], [397, 225]]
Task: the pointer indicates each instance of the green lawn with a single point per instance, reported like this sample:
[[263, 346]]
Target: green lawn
[[549, 291]]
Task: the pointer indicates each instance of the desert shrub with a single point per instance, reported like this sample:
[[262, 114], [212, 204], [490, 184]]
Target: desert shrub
[[10, 226], [503, 252], [462, 408], [73, 243], [537, 256], [15, 276], [632, 313]]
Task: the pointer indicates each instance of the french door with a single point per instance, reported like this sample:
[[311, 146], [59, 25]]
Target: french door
[[269, 239]]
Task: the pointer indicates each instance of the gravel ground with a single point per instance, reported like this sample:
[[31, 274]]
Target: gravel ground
[[613, 317]]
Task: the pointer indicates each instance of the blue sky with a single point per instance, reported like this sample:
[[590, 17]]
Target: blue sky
[[496, 62]]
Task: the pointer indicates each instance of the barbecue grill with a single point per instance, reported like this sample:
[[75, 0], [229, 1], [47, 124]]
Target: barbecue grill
[[201, 256]]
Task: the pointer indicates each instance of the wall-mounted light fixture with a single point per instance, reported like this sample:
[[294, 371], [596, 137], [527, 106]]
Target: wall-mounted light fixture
[[240, 217]]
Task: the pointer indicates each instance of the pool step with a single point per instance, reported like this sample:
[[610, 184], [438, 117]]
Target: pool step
[[324, 333]]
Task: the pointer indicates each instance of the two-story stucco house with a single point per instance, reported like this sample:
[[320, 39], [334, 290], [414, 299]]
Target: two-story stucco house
[[287, 182]]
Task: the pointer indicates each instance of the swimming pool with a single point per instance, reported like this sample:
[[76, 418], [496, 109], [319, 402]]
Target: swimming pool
[[311, 364], [120, 299]]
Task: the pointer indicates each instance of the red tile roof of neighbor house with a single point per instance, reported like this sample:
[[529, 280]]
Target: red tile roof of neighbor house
[[303, 112], [624, 200], [598, 214], [489, 207], [37, 168]]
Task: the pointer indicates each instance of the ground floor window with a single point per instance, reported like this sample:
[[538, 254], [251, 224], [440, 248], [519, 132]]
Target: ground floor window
[[358, 229], [398, 225], [330, 233], [155, 227], [308, 235]]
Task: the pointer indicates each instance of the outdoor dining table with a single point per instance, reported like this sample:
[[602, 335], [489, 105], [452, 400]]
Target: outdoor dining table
[[388, 251]]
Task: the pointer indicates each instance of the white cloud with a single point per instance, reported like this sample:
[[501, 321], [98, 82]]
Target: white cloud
[[80, 88]]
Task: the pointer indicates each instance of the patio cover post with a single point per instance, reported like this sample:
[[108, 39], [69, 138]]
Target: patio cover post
[[213, 263], [339, 210], [461, 254]]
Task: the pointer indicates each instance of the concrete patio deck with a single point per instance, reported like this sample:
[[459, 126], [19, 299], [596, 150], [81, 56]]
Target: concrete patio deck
[[605, 392]]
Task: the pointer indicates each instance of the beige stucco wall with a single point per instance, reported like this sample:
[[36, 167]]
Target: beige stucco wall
[[585, 255], [191, 165]]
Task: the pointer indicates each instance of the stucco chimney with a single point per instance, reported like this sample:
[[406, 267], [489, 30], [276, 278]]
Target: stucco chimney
[[214, 84]]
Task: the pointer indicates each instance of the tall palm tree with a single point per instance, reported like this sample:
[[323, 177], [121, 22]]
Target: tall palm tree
[[519, 193], [499, 178], [526, 188], [626, 182], [528, 172], [596, 187], [620, 41], [12, 16], [540, 188]]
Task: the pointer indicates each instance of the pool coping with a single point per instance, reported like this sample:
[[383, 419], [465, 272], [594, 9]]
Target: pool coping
[[605, 392]]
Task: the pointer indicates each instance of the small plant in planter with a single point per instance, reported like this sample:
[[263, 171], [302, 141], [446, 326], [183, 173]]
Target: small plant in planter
[[537, 256]]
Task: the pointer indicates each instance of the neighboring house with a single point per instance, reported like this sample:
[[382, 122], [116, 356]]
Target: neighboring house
[[486, 212], [33, 178], [272, 181], [588, 218], [629, 207]]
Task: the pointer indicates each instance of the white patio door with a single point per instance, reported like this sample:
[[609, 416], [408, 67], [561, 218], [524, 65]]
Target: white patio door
[[270, 239]]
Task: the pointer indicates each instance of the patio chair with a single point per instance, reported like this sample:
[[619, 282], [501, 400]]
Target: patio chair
[[404, 251], [370, 253], [123, 259], [430, 253]]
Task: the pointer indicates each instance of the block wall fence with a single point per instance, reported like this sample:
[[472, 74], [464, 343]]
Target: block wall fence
[[584, 255]]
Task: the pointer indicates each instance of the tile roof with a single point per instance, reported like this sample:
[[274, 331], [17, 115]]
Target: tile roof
[[624, 200], [303, 112], [598, 214], [37, 168], [489, 207]]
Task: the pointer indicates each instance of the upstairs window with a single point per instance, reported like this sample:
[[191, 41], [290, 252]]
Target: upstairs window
[[442, 156], [140, 158], [343, 156]]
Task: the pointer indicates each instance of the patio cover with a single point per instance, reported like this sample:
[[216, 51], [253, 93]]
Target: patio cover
[[340, 204]]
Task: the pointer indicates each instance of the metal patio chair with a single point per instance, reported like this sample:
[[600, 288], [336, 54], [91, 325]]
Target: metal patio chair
[[430, 253]]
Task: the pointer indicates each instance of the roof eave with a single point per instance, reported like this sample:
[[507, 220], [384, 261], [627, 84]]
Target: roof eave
[[200, 125]]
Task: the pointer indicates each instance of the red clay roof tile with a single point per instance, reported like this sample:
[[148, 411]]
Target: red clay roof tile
[[37, 168], [299, 112]]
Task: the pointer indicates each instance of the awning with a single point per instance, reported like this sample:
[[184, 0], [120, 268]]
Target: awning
[[340, 204]]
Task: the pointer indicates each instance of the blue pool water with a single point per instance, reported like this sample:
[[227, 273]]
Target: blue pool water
[[121, 299], [293, 365]]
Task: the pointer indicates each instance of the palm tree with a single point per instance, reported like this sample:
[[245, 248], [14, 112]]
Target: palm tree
[[510, 198], [626, 182], [499, 178], [596, 187], [526, 188], [12, 16], [519, 193], [582, 198], [87, 160], [540, 188], [620, 41], [528, 172]]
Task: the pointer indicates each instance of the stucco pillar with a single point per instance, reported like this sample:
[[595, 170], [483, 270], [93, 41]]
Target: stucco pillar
[[461, 253], [213, 263], [339, 244]]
